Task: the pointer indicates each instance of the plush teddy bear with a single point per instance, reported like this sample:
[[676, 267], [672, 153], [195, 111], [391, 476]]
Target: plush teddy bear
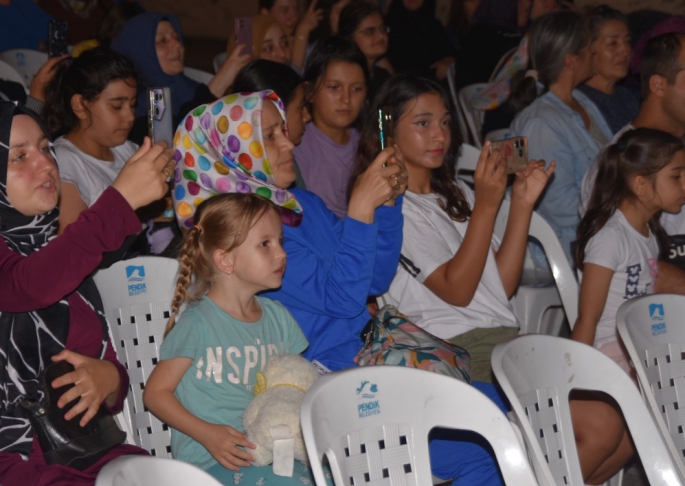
[[280, 388]]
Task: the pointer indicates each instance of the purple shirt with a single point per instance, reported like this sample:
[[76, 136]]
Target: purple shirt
[[327, 166]]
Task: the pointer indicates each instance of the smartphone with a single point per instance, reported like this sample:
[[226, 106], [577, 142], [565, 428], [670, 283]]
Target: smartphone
[[243, 33], [385, 128], [57, 38], [160, 124], [513, 151]]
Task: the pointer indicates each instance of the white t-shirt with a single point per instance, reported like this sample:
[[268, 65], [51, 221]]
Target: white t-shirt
[[430, 239], [91, 176], [632, 257]]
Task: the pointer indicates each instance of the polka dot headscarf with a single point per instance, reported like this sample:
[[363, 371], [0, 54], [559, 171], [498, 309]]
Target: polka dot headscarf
[[220, 149]]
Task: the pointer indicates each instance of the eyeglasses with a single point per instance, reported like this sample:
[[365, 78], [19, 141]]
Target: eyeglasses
[[371, 31]]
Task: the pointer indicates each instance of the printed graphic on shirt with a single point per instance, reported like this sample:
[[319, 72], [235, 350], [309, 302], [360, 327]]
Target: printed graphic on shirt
[[633, 288], [235, 363], [676, 251], [409, 266]]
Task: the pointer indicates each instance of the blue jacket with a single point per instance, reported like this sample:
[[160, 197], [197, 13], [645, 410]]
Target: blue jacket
[[333, 266]]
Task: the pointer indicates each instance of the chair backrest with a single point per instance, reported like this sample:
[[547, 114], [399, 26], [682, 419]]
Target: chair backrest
[[502, 61], [652, 331], [218, 61], [563, 274], [27, 62], [472, 116], [372, 424], [143, 471], [137, 296], [537, 372], [467, 161], [198, 75], [8, 73], [454, 94]]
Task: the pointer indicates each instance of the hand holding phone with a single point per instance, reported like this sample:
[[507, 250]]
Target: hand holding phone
[[513, 151]]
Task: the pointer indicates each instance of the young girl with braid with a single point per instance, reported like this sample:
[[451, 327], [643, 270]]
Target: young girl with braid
[[210, 358]]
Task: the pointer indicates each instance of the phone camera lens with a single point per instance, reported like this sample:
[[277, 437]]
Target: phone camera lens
[[520, 152], [157, 111]]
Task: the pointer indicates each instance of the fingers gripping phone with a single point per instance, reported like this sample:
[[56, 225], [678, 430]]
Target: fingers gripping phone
[[513, 151], [57, 38], [160, 123], [243, 33]]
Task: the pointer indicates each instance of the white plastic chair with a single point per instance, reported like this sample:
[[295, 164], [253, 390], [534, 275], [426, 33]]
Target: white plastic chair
[[218, 61], [8, 73], [198, 75], [372, 424], [473, 117], [454, 94], [467, 161], [137, 296], [538, 291], [538, 372], [26, 62], [652, 330], [144, 471]]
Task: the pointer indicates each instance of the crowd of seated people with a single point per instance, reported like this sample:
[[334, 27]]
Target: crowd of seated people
[[288, 218]]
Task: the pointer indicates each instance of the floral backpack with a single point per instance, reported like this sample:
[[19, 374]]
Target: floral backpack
[[394, 340]]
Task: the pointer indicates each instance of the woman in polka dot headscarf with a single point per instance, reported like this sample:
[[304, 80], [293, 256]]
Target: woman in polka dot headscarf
[[237, 144], [220, 149]]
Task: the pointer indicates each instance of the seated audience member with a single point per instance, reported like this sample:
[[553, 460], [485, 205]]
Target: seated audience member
[[49, 306], [11, 91], [413, 26], [620, 235], [90, 108], [260, 75], [363, 24], [610, 47], [671, 24], [23, 25], [154, 43], [335, 80], [663, 108], [560, 122], [285, 12], [269, 41]]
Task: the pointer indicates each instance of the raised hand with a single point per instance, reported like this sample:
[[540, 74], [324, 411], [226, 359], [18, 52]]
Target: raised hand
[[95, 380], [530, 183], [490, 178]]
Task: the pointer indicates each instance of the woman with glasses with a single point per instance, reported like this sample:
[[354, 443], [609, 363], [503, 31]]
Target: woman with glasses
[[362, 23]]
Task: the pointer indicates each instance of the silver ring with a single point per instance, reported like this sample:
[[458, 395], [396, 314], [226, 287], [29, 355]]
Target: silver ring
[[395, 181]]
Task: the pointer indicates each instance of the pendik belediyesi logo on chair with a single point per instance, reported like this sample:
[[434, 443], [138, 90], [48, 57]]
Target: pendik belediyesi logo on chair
[[656, 313], [367, 391], [135, 276]]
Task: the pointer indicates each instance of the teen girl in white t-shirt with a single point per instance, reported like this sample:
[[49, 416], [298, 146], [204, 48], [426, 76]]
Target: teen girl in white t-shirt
[[620, 236]]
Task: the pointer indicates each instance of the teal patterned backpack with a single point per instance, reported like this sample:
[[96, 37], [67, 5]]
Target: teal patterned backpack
[[395, 340]]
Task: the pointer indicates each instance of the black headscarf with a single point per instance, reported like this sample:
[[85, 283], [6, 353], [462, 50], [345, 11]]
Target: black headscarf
[[28, 339]]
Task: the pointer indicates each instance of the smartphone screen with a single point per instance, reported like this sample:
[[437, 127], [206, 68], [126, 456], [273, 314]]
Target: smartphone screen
[[243, 33], [385, 128], [160, 123], [57, 38]]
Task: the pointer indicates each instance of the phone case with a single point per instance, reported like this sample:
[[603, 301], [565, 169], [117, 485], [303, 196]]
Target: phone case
[[513, 151], [385, 128], [243, 33], [57, 38], [160, 124]]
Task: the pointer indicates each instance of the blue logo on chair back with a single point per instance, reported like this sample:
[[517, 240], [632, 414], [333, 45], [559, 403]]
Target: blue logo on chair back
[[135, 276], [368, 392], [657, 315]]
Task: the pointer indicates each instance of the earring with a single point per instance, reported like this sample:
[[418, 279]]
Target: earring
[[229, 272]]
